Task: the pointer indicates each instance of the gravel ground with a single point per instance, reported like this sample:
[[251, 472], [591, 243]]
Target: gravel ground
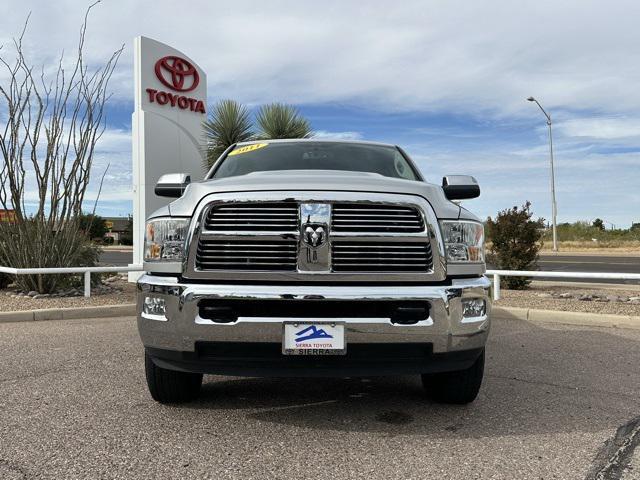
[[534, 298], [125, 294]]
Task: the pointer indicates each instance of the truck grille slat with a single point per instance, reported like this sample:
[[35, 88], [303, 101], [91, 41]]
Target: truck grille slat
[[265, 216], [256, 254], [381, 257], [375, 218]]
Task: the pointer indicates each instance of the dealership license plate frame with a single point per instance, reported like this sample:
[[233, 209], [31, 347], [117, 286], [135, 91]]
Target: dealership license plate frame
[[336, 325]]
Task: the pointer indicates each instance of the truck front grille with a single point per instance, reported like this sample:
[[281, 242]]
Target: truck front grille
[[375, 218], [301, 238], [246, 254], [267, 217], [389, 256]]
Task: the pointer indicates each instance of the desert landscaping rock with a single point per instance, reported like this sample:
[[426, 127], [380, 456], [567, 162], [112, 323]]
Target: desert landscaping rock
[[574, 298], [118, 292]]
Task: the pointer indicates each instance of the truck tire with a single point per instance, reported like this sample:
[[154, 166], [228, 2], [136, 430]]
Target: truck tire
[[170, 386], [460, 387]]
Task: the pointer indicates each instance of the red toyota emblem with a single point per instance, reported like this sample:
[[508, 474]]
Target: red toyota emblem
[[177, 73]]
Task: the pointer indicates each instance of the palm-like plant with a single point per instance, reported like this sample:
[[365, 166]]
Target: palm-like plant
[[230, 123], [278, 120]]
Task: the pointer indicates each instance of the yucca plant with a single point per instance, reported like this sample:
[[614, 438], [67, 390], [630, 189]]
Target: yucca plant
[[230, 123], [278, 120]]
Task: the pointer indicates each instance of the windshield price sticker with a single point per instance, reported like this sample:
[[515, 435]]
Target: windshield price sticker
[[248, 148]]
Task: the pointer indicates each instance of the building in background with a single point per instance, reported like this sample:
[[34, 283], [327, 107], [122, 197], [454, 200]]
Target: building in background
[[118, 228]]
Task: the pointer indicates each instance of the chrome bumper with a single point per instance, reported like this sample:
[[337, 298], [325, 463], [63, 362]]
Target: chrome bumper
[[181, 327]]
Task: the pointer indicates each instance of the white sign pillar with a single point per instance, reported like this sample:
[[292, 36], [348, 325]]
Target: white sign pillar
[[167, 136]]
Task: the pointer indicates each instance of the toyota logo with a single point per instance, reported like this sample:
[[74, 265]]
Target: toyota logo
[[177, 73]]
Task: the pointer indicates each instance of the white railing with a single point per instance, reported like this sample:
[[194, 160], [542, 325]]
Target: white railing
[[496, 274], [87, 271], [581, 275]]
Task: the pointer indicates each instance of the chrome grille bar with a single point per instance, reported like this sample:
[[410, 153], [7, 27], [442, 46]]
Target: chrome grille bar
[[264, 216], [255, 255], [376, 218], [348, 256]]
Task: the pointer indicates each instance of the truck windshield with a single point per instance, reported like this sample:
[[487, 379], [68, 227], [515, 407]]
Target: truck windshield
[[355, 157]]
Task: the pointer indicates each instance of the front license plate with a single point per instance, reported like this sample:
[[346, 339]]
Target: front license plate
[[313, 338]]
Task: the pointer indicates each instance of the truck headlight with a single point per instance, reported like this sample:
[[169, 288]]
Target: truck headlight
[[463, 241], [164, 239]]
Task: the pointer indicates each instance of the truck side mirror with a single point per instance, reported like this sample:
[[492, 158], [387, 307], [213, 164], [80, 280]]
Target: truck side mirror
[[460, 187], [172, 185]]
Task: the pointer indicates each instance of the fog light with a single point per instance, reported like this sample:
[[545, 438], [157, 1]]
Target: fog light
[[154, 307], [473, 307]]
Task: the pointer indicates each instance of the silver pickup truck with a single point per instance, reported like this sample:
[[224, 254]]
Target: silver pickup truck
[[314, 258]]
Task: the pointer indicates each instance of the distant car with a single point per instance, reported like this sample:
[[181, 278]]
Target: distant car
[[314, 258]]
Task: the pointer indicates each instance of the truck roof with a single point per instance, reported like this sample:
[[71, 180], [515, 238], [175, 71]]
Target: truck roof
[[316, 140]]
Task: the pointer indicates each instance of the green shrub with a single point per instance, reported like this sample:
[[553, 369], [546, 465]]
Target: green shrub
[[515, 241], [34, 243], [583, 231]]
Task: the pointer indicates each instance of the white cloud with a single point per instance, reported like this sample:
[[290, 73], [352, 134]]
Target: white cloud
[[601, 128], [470, 57]]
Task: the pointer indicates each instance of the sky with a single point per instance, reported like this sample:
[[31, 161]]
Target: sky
[[447, 81]]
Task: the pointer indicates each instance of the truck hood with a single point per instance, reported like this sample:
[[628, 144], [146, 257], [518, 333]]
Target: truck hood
[[307, 180]]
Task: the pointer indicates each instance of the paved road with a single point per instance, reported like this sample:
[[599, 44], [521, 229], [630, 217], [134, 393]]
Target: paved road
[[73, 404], [116, 257], [591, 263]]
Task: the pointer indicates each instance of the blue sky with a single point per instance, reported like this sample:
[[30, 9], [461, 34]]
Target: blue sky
[[445, 80]]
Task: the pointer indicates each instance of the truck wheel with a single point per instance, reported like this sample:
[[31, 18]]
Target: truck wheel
[[459, 387], [169, 386]]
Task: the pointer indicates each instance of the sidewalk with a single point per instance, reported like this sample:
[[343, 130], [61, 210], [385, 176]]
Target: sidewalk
[[117, 248]]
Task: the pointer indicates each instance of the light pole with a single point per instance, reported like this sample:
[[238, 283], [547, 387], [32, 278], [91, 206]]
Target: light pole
[[554, 208]]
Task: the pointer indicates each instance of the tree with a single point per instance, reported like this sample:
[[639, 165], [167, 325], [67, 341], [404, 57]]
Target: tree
[[50, 123], [93, 226], [515, 243], [230, 123], [598, 223], [278, 120]]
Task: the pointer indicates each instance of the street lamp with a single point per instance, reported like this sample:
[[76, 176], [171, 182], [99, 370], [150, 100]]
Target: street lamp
[[554, 208]]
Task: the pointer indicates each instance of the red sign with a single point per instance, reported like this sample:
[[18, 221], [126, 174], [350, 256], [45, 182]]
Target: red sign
[[177, 74], [7, 216]]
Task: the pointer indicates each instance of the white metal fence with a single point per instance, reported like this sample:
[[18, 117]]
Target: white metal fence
[[537, 274], [496, 274], [87, 271]]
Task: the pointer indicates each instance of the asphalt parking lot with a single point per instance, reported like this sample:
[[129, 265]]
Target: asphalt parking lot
[[557, 402]]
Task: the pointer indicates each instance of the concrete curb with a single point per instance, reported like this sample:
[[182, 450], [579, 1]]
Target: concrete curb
[[567, 318], [101, 311]]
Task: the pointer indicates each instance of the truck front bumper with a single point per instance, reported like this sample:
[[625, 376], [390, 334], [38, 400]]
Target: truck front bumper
[[181, 338]]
